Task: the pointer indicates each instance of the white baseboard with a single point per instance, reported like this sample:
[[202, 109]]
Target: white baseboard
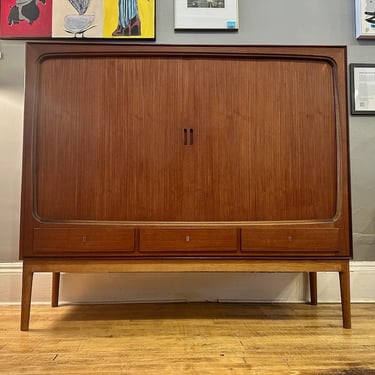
[[190, 287]]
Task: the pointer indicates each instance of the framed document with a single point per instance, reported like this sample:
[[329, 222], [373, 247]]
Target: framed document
[[362, 83], [206, 14]]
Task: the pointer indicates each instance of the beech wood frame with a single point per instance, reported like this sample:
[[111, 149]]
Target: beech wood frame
[[115, 266]]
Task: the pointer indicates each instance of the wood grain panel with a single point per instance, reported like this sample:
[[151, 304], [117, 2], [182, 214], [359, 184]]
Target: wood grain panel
[[112, 148]]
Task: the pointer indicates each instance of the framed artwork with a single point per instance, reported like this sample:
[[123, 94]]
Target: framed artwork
[[365, 19], [77, 19], [33, 20], [362, 89], [206, 14]]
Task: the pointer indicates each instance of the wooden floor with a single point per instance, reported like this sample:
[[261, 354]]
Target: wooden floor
[[199, 338]]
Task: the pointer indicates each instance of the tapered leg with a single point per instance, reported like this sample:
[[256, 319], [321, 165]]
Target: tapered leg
[[55, 289], [313, 288], [345, 297], [27, 285]]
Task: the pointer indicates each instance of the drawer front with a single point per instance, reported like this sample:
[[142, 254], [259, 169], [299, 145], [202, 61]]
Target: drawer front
[[82, 240], [282, 240], [189, 240]]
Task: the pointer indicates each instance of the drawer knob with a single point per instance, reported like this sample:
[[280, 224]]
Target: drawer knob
[[187, 238]]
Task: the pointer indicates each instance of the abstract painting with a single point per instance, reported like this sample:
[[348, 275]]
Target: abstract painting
[[77, 19]]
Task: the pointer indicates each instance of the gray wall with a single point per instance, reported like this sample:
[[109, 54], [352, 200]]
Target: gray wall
[[283, 22]]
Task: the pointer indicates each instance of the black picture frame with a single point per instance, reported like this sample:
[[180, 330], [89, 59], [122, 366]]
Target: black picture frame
[[362, 89]]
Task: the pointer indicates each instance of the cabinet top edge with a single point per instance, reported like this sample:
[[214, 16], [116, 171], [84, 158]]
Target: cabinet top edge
[[181, 49]]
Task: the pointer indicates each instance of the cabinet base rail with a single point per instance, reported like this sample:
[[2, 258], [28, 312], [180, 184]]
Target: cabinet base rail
[[30, 266]]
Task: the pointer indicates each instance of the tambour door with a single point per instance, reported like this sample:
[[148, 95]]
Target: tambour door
[[109, 139], [177, 139], [265, 138]]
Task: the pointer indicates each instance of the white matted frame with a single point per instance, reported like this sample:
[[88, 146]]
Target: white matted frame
[[206, 14], [365, 19]]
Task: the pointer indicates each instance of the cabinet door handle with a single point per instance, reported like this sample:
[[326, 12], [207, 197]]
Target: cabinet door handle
[[188, 136]]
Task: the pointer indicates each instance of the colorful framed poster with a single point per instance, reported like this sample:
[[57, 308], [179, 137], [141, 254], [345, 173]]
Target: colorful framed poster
[[365, 19], [77, 19], [362, 93], [206, 14], [31, 19]]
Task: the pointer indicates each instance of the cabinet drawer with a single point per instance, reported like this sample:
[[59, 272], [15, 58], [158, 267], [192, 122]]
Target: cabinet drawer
[[189, 240], [82, 240], [292, 239]]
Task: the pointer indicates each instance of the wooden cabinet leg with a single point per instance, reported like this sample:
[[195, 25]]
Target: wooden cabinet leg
[[313, 282], [55, 289], [27, 285], [345, 297]]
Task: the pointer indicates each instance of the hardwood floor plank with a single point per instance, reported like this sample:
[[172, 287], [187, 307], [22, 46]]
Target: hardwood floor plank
[[196, 338]]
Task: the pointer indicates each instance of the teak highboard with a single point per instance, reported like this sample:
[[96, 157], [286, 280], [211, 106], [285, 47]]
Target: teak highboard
[[176, 158]]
